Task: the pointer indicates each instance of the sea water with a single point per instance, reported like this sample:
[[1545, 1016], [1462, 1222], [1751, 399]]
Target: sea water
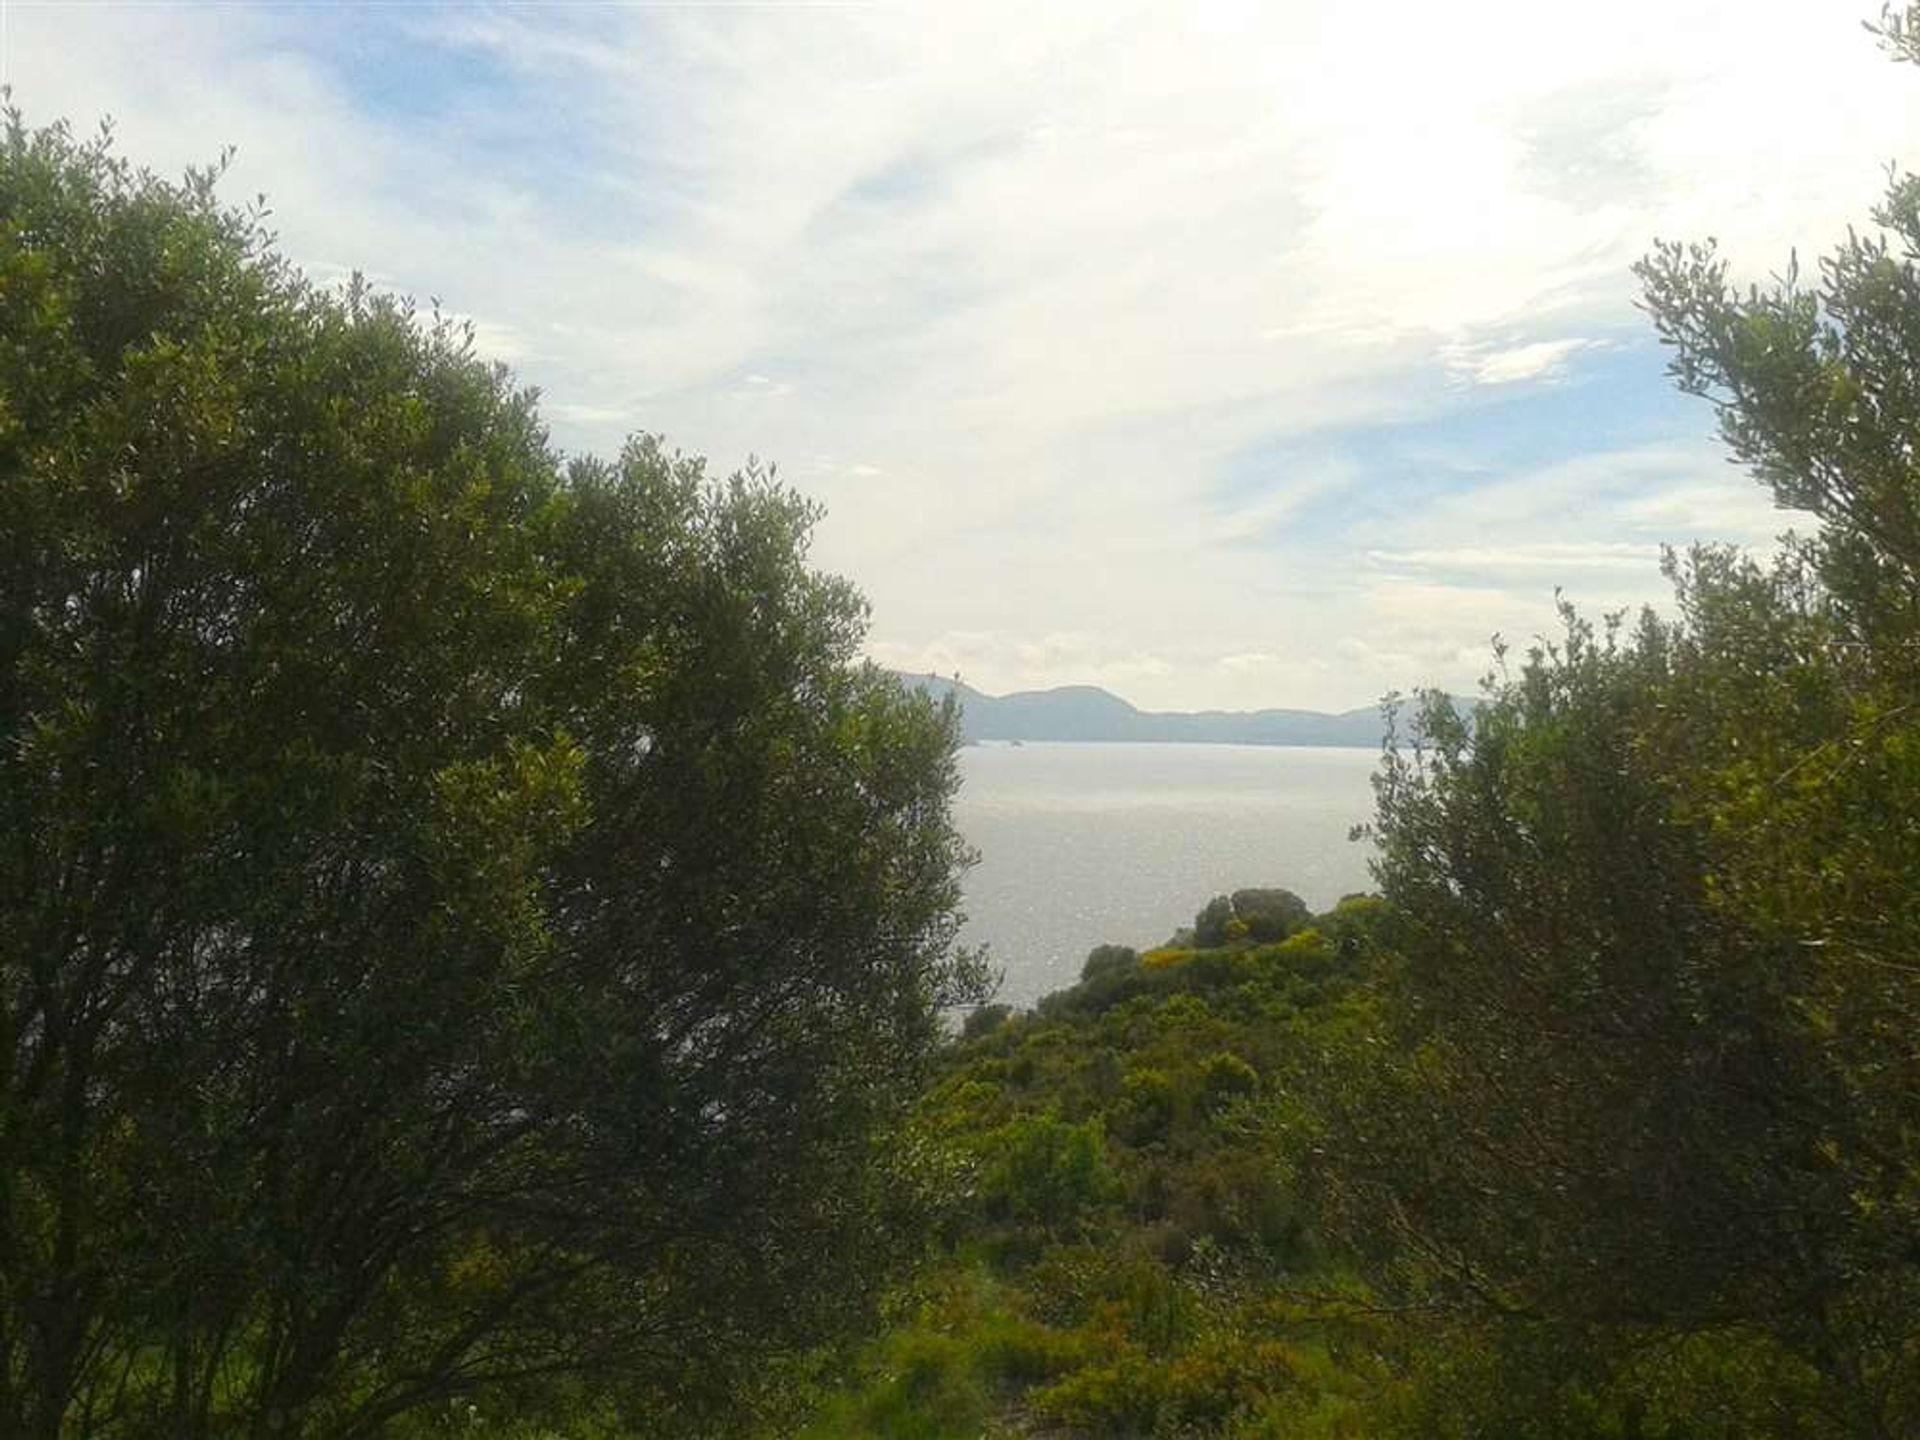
[[1084, 844]]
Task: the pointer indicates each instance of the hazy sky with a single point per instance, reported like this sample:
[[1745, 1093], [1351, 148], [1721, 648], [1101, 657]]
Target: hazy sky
[[1221, 354]]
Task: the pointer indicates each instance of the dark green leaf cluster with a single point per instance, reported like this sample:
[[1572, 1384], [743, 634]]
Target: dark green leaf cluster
[[1640, 1075], [1122, 1253], [466, 920]]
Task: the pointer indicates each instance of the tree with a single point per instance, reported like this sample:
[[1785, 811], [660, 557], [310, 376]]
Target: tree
[[466, 919], [1211, 925], [1654, 972], [1271, 914], [1612, 1087], [1105, 960]]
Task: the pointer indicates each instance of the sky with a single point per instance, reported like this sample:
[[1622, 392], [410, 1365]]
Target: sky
[[1227, 355]]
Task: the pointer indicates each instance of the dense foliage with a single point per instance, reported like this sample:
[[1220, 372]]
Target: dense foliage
[[1603, 1119], [1120, 1255], [466, 920], [1655, 975], [472, 941]]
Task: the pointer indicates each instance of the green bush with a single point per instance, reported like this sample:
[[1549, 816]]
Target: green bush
[[926, 1389], [1270, 914], [1225, 1078], [1104, 960], [1127, 1396], [984, 1021], [1210, 925], [1014, 1355], [1147, 1107], [1048, 1173]]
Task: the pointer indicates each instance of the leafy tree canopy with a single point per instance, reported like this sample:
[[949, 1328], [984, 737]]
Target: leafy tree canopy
[[465, 915], [1642, 1066]]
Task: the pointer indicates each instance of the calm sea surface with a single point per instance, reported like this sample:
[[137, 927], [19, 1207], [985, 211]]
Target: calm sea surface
[[1083, 844]]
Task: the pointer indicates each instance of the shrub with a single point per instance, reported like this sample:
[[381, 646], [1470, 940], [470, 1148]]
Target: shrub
[[1270, 914], [1125, 1396], [1210, 925], [1047, 1172], [1224, 1078], [984, 1021], [1104, 960], [1147, 1106]]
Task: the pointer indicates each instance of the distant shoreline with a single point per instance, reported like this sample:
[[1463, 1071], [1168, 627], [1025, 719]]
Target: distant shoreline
[[1083, 714], [995, 743]]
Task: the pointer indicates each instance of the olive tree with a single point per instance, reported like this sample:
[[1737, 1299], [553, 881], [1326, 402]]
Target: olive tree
[[467, 919], [1640, 1063]]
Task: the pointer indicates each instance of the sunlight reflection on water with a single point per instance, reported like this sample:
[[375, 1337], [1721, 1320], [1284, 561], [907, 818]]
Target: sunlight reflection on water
[[1082, 844]]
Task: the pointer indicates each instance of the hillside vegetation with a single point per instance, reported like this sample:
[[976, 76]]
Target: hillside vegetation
[[476, 941], [1122, 1255], [1603, 1118], [1159, 1186]]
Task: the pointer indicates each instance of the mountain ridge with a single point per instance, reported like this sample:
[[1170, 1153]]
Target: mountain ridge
[[1087, 713]]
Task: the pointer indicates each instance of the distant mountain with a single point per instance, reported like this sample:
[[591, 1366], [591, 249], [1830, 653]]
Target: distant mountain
[[1086, 712]]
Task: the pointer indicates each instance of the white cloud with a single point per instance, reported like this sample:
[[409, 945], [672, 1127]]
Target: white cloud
[[1010, 288], [999, 664], [585, 414], [1550, 557], [1541, 360], [1252, 661]]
